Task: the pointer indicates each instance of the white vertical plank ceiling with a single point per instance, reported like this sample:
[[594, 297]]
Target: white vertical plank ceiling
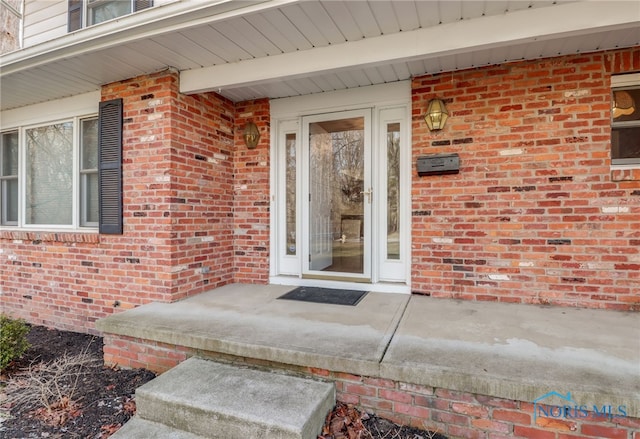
[[286, 48]]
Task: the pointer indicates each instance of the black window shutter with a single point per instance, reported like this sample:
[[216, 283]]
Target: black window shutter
[[110, 167], [75, 15], [142, 4]]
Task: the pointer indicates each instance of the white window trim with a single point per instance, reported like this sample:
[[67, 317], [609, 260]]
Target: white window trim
[[394, 270], [3, 178], [22, 179], [86, 8], [627, 80], [286, 264], [82, 211], [621, 81], [75, 108]]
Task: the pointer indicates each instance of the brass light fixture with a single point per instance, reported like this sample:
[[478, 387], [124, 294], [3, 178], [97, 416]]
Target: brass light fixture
[[437, 115], [251, 135], [623, 104]]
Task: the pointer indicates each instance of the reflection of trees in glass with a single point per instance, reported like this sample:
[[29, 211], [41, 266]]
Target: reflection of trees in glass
[[336, 176], [49, 174], [393, 190], [393, 177], [348, 162], [290, 152]]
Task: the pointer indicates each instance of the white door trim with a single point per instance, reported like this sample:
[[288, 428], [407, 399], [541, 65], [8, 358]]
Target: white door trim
[[396, 93], [284, 112]]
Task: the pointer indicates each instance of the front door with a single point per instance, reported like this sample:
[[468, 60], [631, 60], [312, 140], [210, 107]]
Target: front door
[[341, 189], [338, 195]]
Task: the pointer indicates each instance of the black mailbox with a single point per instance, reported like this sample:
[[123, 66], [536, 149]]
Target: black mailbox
[[438, 164]]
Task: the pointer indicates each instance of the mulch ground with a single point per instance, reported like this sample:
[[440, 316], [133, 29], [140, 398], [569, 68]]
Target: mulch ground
[[103, 398]]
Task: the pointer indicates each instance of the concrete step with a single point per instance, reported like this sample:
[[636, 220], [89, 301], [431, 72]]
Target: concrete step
[[138, 428], [216, 400]]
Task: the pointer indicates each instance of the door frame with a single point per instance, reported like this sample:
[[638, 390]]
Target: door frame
[[307, 272], [286, 116]]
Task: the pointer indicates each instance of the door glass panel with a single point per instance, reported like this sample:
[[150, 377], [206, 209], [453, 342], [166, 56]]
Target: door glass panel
[[393, 191], [337, 195], [290, 147]]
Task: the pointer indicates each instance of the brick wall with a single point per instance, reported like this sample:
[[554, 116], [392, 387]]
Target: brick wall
[[465, 415], [536, 214], [201, 203], [251, 196], [471, 416], [178, 226], [452, 413]]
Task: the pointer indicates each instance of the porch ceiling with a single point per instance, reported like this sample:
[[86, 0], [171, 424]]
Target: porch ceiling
[[251, 49]]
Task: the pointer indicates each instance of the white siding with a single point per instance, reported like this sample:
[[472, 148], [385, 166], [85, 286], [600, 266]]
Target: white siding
[[44, 20]]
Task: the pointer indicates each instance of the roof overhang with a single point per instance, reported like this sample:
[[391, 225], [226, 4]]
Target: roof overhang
[[522, 28], [291, 62]]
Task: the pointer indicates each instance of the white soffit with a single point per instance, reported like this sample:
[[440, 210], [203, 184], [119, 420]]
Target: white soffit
[[464, 36]]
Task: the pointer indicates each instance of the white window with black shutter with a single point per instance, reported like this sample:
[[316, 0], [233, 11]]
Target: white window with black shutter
[[62, 174], [83, 13]]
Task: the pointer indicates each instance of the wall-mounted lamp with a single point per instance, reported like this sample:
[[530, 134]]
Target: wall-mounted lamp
[[437, 114], [251, 135], [623, 104]]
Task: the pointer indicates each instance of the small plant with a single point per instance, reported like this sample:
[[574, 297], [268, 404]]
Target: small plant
[[51, 386], [13, 340]]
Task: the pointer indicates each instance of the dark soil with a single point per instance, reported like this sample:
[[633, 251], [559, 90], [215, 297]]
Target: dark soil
[[346, 422], [102, 402], [103, 399]]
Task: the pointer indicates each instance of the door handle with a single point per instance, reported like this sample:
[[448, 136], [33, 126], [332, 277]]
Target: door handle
[[368, 193]]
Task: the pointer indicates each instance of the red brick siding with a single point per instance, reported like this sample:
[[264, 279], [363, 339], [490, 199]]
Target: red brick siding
[[465, 415], [452, 413], [202, 198], [132, 353], [251, 196], [177, 187], [534, 216], [178, 206]]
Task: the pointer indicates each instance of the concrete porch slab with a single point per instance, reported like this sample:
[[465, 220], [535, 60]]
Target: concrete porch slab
[[249, 321], [518, 351]]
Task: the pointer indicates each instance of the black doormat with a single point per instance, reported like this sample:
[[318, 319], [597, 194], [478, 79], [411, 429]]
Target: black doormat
[[325, 295]]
